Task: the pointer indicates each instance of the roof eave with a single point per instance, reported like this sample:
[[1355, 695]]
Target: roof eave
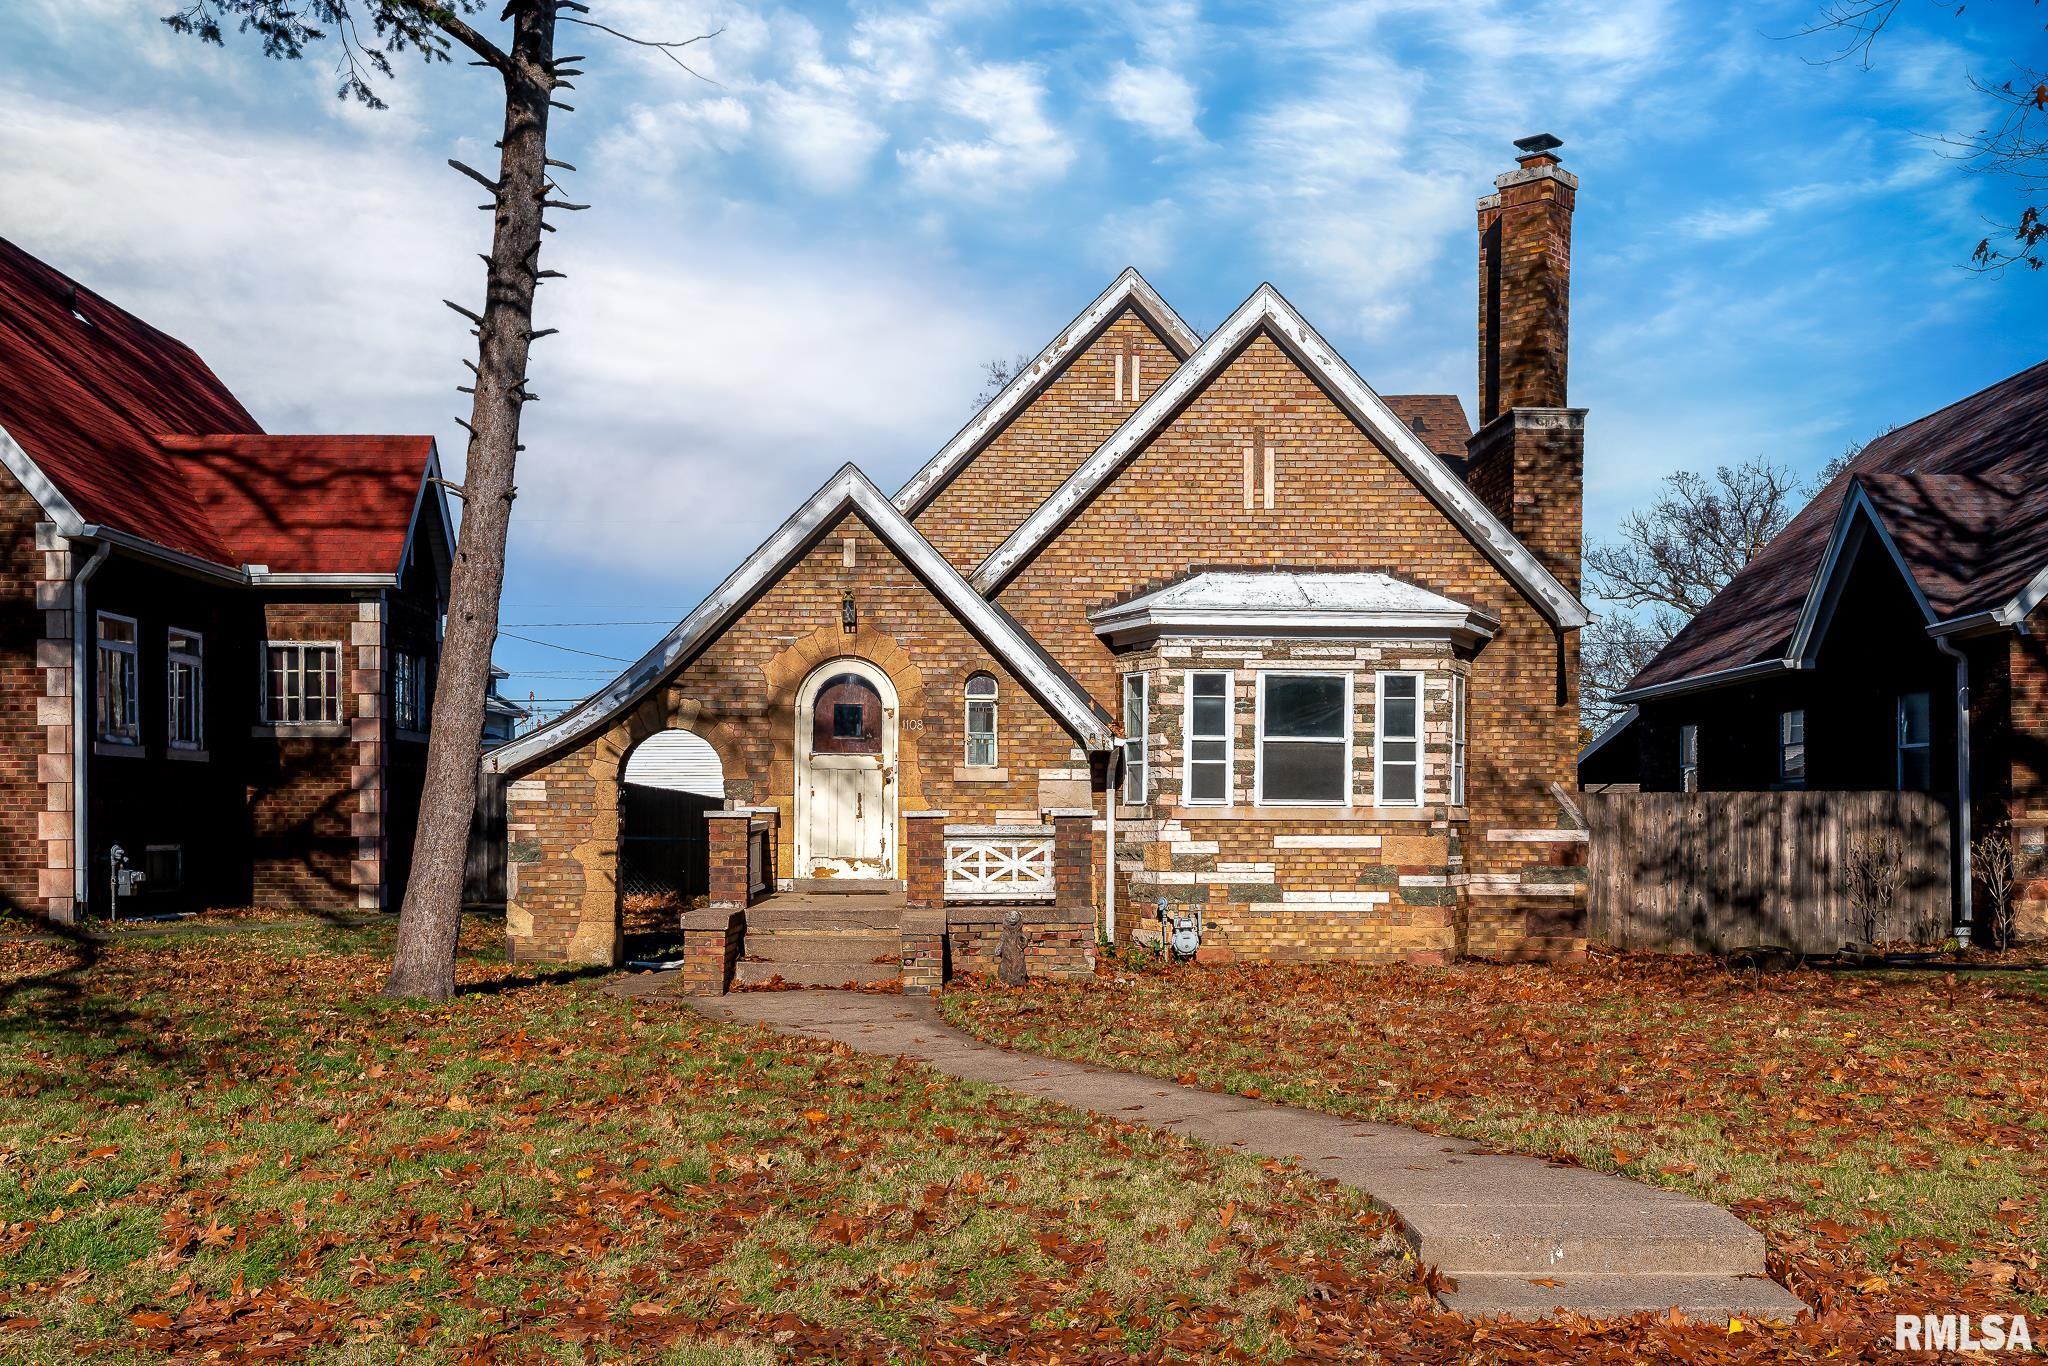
[[1719, 678], [1267, 309], [1129, 289], [1466, 628]]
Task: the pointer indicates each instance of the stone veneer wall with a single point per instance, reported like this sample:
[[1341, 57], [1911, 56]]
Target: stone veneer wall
[[740, 694]]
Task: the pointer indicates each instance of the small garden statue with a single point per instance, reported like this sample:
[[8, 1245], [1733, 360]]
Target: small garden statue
[[1010, 956]]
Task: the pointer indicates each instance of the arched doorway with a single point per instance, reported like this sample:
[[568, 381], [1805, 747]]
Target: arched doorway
[[846, 773], [670, 780]]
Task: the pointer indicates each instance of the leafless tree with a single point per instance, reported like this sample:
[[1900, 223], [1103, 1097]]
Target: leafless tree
[[1874, 877], [996, 376], [520, 51], [1668, 560], [2012, 145], [1997, 867]]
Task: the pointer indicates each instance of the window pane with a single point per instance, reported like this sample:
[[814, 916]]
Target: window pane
[[981, 685], [1208, 716], [1397, 752], [1211, 685], [1294, 771], [1795, 761], [113, 628], [1304, 706], [1210, 751], [981, 751], [1208, 782], [1915, 724], [1397, 784], [846, 720], [981, 718], [1916, 769]]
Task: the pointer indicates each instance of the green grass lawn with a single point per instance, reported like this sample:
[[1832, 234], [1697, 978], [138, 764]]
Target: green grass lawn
[[229, 1144], [1887, 1132]]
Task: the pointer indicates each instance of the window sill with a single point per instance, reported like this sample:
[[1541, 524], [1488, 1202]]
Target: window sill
[[974, 773], [189, 756], [301, 730], [1313, 813], [117, 749]]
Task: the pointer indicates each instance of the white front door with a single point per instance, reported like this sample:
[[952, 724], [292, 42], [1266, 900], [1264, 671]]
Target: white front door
[[846, 733]]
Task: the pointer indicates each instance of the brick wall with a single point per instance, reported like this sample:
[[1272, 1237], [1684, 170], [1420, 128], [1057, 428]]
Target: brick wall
[[1034, 453], [35, 701], [2023, 767], [1341, 503], [303, 799], [740, 694]]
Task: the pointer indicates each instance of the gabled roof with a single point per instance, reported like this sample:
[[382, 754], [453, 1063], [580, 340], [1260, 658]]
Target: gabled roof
[[1287, 602], [1963, 496], [1267, 311], [1128, 290], [117, 429], [1438, 420], [847, 491]]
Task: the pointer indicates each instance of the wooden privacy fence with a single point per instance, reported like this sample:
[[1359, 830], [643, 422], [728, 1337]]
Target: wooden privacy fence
[[1718, 870], [483, 875]]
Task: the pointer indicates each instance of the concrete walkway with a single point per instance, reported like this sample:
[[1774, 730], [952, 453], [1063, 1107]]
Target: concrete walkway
[[1496, 1224]]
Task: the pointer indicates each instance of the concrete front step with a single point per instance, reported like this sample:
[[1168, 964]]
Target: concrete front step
[[753, 973], [824, 946], [1705, 1299], [847, 886], [1593, 1239], [852, 919]]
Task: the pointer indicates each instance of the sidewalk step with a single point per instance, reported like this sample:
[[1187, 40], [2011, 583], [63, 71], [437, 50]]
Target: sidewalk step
[[1707, 1299], [813, 974]]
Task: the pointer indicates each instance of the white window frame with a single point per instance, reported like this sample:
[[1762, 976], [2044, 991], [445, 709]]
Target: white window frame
[[1689, 757], [1137, 788], [1786, 742], [195, 659], [1380, 736], [967, 704], [302, 646], [1188, 738], [1460, 688], [130, 733], [1259, 736], [1899, 754]]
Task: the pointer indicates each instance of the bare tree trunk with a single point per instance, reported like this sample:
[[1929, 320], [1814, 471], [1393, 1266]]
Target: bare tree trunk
[[423, 965]]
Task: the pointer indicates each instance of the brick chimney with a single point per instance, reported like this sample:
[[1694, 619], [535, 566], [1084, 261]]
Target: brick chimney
[[1527, 460]]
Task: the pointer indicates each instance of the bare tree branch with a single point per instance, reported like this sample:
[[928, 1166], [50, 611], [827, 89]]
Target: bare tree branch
[[666, 49]]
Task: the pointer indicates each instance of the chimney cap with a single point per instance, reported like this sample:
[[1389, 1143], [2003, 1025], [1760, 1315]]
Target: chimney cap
[[1538, 143]]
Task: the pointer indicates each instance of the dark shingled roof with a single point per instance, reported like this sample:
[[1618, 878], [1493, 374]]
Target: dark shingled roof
[[1441, 420], [1964, 494]]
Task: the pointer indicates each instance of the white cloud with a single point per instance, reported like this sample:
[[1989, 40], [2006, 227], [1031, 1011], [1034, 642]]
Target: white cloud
[[825, 142], [1141, 236], [656, 139], [1020, 147], [1156, 99]]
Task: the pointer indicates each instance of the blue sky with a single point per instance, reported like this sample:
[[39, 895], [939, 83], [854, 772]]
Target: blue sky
[[806, 261]]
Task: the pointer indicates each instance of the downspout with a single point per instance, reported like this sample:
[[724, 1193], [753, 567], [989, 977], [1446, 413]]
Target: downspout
[[1116, 763], [81, 731], [1964, 890]]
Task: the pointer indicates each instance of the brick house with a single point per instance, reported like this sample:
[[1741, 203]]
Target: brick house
[[1181, 622], [1888, 637], [219, 641]]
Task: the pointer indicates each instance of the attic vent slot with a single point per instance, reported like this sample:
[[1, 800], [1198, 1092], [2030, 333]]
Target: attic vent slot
[[71, 305]]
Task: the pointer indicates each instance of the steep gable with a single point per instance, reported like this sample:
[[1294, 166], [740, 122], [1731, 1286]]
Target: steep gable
[[1057, 409]]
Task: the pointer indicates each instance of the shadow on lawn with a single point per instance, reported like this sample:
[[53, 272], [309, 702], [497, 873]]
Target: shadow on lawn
[[65, 1011]]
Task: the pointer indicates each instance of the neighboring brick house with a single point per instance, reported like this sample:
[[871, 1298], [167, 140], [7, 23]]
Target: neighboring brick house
[[1304, 656], [1906, 596], [219, 641]]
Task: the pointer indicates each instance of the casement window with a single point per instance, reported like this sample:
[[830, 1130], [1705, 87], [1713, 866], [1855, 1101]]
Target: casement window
[[1397, 740], [981, 721], [1916, 742], [408, 691], [1304, 730], [1137, 745], [1206, 781], [1792, 745], [301, 683], [185, 688], [1688, 758], [1458, 724], [115, 704]]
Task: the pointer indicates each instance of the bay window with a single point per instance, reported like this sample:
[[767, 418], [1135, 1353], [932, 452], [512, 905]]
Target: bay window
[[1304, 737], [1208, 727], [1397, 740]]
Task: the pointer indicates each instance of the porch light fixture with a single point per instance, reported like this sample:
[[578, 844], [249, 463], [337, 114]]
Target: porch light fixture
[[849, 618]]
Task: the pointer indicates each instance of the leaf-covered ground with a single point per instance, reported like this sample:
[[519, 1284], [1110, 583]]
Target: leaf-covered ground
[[226, 1147], [1886, 1132]]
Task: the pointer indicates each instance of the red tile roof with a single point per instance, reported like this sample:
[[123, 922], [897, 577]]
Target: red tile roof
[[1964, 493], [100, 400]]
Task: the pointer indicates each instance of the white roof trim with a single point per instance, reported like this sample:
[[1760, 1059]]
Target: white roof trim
[[54, 504], [849, 489], [1285, 602], [1826, 589], [1701, 682], [1128, 289], [1612, 729], [1267, 309]]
